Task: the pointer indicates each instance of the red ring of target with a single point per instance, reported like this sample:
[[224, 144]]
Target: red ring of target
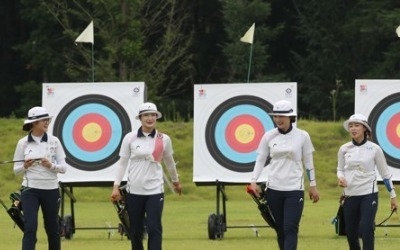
[[393, 130], [243, 133], [92, 132]]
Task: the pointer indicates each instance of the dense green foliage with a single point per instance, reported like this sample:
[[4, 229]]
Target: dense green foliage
[[323, 45]]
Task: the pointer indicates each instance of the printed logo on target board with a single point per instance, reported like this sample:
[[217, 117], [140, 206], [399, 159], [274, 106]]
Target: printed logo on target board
[[229, 122], [379, 100], [91, 119]]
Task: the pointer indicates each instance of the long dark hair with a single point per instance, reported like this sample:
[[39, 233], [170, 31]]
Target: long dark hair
[[367, 134]]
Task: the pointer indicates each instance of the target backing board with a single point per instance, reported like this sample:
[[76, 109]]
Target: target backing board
[[91, 119], [229, 121], [379, 100]]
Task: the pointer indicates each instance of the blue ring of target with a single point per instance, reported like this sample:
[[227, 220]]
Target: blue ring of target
[[381, 134], [215, 130], [72, 119], [118, 113], [379, 119]]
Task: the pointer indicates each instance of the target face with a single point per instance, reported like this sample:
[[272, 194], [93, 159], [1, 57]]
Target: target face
[[91, 120], [229, 122], [377, 100], [91, 129], [385, 122], [234, 130]]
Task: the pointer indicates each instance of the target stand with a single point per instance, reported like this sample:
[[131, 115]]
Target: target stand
[[68, 221], [217, 222], [379, 101], [229, 122], [90, 120]]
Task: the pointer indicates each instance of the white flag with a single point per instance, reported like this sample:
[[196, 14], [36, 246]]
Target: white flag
[[248, 37], [398, 31], [87, 35]]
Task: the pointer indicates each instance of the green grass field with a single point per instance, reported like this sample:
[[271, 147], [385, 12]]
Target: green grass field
[[185, 227], [185, 217]]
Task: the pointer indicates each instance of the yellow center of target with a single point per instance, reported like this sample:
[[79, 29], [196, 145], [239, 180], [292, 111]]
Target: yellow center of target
[[398, 130], [91, 132], [244, 133]]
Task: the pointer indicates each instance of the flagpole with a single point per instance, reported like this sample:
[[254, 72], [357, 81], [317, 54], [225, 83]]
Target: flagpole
[[250, 58], [92, 62], [87, 37], [248, 38]]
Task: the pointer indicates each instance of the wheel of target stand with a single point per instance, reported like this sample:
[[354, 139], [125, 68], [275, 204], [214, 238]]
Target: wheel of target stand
[[216, 227], [212, 229], [68, 227]]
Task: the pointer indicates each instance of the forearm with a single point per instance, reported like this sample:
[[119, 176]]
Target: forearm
[[122, 164], [389, 186], [258, 167], [59, 166], [171, 168], [19, 168], [310, 170]]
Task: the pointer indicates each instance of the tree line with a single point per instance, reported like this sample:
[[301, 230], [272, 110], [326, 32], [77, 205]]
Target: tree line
[[323, 45]]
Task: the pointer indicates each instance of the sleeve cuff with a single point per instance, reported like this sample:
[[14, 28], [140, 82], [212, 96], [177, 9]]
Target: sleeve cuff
[[392, 193]]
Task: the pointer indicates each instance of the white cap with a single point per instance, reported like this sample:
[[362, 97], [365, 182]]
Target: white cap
[[283, 108], [35, 114], [148, 108], [357, 118]]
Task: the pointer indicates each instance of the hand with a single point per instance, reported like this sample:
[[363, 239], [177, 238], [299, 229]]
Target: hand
[[393, 204], [314, 196], [342, 182], [29, 163], [177, 187], [115, 194], [46, 163], [255, 188]]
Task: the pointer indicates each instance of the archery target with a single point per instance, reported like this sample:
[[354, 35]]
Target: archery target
[[91, 119], [379, 100], [229, 121]]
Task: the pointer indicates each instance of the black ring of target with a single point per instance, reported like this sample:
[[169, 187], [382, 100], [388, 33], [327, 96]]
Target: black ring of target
[[373, 120], [212, 123], [90, 99]]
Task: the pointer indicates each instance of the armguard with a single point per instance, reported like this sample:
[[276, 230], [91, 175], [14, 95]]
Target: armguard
[[389, 186]]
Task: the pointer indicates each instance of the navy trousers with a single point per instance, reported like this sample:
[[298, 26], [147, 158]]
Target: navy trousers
[[49, 202], [287, 208], [359, 217], [145, 209]]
